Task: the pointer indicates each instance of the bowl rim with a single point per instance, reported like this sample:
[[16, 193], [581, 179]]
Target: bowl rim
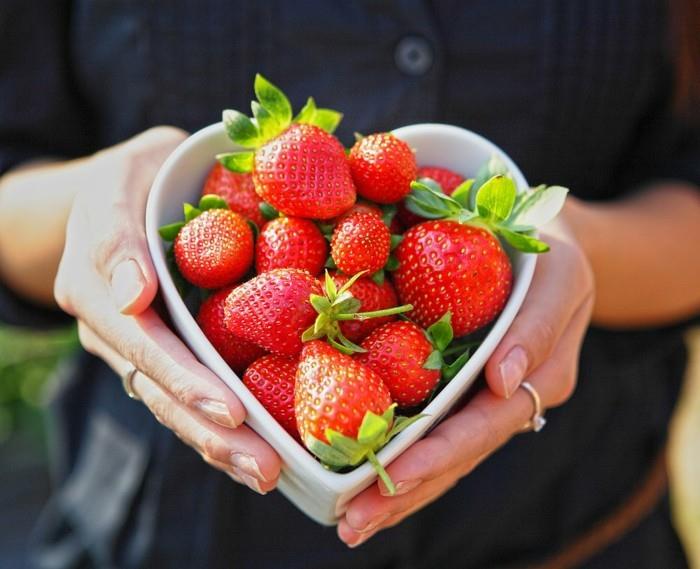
[[363, 474]]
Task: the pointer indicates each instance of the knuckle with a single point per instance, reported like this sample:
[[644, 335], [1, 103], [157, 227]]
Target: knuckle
[[109, 249], [163, 412], [182, 388]]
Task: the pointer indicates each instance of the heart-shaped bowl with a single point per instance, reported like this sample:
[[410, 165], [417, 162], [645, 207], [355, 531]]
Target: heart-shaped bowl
[[320, 493]]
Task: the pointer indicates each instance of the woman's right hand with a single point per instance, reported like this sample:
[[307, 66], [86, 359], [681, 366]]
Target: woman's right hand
[[107, 281]]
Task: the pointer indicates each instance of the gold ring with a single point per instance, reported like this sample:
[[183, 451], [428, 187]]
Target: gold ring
[[537, 421], [128, 380]]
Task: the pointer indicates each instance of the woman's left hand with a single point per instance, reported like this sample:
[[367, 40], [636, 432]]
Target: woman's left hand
[[542, 345]]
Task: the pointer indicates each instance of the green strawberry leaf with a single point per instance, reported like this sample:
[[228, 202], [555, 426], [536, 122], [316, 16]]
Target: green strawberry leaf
[[169, 232], [392, 263], [461, 193], [378, 277], [268, 126], [320, 303], [522, 242], [241, 162], [326, 453], [449, 371], [327, 119], [307, 112], [190, 212], [372, 430], [331, 288], [352, 449], [432, 184], [267, 211], [396, 241], [441, 333], [330, 263], [254, 228], [348, 306], [273, 100], [539, 206], [427, 201], [388, 213], [434, 360], [402, 423], [495, 199], [211, 201], [241, 129]]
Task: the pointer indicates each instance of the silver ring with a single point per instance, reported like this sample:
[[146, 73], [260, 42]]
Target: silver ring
[[128, 380], [537, 421]]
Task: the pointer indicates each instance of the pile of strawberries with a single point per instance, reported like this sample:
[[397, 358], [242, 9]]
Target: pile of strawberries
[[306, 254]]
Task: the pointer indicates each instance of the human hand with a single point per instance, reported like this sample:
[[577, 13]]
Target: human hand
[[542, 345], [107, 281]]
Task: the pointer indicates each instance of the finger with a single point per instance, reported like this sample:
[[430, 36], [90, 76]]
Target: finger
[[150, 346], [558, 288], [243, 449], [240, 476]]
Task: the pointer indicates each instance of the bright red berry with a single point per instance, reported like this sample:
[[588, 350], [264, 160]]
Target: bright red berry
[[361, 242], [382, 167], [271, 379], [290, 243], [397, 352], [372, 296], [447, 266], [333, 391], [215, 249], [303, 172], [273, 310], [238, 191], [236, 352]]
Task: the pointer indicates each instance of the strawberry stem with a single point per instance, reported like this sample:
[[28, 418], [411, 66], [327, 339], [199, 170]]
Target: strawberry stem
[[383, 474], [375, 313]]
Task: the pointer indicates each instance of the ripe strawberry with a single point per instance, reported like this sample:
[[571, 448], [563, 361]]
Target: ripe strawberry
[[238, 191], [273, 309], [271, 379], [361, 242], [372, 296], [382, 167], [446, 179], [398, 352], [298, 167], [290, 243], [395, 227], [215, 249], [236, 352], [446, 266]]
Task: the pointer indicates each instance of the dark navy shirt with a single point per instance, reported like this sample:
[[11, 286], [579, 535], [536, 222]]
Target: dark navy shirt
[[577, 92]]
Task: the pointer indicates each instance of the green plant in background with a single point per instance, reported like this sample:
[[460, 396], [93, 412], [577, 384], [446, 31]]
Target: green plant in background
[[27, 359]]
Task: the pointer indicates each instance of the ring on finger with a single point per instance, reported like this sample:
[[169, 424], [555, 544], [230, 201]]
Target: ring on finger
[[537, 421], [128, 381]]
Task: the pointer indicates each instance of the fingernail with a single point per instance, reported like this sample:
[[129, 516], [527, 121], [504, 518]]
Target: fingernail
[[246, 463], [128, 283], [513, 368], [374, 523], [361, 539], [403, 487], [216, 411], [249, 481]]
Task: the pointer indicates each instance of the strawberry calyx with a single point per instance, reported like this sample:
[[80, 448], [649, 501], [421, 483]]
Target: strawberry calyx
[[375, 432], [337, 305], [210, 201], [441, 336], [497, 207], [272, 115]]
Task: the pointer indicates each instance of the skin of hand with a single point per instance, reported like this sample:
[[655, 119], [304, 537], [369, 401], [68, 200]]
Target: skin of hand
[[542, 345], [107, 281]]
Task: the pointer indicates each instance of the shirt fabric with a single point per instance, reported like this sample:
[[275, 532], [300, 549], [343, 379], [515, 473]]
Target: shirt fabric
[[576, 92]]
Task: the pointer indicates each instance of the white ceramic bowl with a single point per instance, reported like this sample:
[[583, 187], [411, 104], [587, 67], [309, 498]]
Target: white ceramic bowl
[[321, 494]]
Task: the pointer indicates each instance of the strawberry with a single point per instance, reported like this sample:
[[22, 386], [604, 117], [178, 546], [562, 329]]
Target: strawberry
[[446, 179], [238, 191], [298, 166], [273, 309], [344, 411], [271, 379], [372, 296], [290, 242], [361, 242], [236, 352], [382, 167], [213, 246], [399, 353], [457, 263]]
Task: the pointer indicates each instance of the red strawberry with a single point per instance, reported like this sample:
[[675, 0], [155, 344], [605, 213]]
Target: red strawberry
[[271, 379], [361, 242], [290, 243], [448, 181], [238, 191], [236, 352], [303, 172], [372, 297], [215, 249], [395, 226], [333, 391], [382, 167], [273, 310], [398, 352], [446, 266]]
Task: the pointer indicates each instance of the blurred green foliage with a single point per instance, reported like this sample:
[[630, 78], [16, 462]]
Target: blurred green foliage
[[27, 359]]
